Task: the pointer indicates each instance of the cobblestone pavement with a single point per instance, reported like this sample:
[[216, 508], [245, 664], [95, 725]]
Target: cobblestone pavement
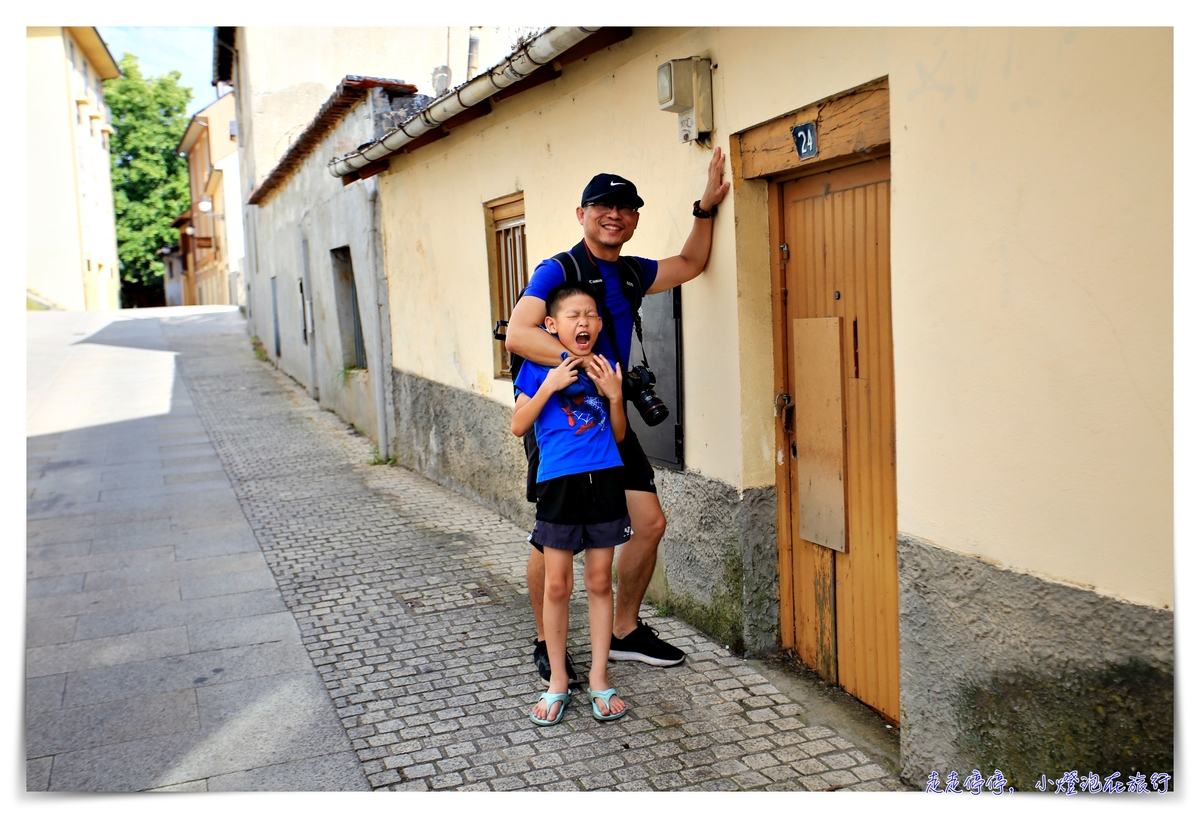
[[411, 603]]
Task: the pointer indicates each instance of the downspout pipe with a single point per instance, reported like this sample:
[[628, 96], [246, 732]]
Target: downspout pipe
[[382, 379], [306, 309], [521, 63]]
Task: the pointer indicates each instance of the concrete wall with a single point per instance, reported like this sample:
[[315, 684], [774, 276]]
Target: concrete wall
[[314, 210], [1031, 297], [1003, 670], [71, 246]]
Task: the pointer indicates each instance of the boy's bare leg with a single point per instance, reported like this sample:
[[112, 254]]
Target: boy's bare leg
[[535, 578], [635, 566], [597, 578], [559, 580]]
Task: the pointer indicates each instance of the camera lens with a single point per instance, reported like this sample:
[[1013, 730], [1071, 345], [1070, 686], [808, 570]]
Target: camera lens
[[650, 407]]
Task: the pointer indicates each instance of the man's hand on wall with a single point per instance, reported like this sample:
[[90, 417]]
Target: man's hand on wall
[[716, 189]]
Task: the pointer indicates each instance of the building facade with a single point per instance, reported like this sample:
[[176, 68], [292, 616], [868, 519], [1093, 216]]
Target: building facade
[[312, 248], [925, 384], [318, 300], [174, 269], [214, 227], [71, 240]]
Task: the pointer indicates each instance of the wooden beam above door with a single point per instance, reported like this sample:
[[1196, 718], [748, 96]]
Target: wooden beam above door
[[850, 127]]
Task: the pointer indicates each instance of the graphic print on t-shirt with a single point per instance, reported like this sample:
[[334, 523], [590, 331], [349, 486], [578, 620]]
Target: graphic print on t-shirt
[[573, 431], [583, 412]]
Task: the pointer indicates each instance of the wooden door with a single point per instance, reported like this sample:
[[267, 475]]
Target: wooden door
[[838, 576]]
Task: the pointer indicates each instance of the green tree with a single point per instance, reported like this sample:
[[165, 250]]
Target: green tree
[[150, 182]]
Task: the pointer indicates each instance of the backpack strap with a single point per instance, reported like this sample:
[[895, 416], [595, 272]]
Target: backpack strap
[[578, 265], [580, 262], [570, 266], [631, 283]]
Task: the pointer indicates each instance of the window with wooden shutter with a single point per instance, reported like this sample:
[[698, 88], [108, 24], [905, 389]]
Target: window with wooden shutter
[[508, 264]]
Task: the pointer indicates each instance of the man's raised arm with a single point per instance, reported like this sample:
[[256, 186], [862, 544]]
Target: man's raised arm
[[525, 334], [693, 257]]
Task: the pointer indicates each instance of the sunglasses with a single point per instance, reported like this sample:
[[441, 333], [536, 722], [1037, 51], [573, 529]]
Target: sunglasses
[[622, 209]]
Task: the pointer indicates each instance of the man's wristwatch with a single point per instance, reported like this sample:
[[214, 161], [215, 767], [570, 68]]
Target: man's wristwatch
[[703, 214]]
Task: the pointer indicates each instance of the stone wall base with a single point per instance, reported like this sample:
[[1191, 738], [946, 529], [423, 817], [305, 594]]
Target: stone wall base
[[717, 562], [1003, 670]]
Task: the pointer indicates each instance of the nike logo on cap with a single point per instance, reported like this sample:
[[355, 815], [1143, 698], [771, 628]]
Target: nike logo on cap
[[612, 184]]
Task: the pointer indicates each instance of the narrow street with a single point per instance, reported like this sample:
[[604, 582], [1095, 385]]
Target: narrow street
[[223, 594]]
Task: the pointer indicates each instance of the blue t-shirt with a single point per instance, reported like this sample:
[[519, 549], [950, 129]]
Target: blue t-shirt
[[573, 433], [549, 274]]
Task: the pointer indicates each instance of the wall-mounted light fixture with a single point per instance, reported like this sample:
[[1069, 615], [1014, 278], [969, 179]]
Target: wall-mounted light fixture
[[685, 88], [205, 204]]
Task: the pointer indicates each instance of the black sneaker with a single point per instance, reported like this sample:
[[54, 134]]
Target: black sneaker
[[643, 645], [541, 658]]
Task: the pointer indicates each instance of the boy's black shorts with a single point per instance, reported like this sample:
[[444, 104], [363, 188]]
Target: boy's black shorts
[[637, 474], [578, 511]]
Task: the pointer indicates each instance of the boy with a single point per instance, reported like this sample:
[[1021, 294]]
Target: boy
[[578, 416]]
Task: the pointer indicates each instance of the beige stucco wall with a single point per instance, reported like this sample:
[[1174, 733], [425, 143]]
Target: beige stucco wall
[[1032, 301], [218, 115], [1031, 268], [68, 201]]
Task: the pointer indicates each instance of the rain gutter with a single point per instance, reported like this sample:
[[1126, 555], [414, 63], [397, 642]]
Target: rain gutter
[[526, 59]]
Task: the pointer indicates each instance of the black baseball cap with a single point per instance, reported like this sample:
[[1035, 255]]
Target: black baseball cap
[[608, 187]]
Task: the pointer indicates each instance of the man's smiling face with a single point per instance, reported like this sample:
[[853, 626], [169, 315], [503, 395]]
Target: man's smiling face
[[577, 323], [607, 225]]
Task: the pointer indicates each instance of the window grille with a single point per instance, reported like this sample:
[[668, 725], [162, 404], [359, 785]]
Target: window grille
[[508, 262]]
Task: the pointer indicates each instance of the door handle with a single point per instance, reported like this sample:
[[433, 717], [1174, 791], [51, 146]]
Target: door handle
[[782, 400]]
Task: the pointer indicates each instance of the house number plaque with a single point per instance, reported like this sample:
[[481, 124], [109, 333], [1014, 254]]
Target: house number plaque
[[805, 137]]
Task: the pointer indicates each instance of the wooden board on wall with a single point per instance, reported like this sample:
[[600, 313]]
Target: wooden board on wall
[[850, 128], [820, 431]]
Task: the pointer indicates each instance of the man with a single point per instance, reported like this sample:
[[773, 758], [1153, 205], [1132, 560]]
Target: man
[[608, 213]]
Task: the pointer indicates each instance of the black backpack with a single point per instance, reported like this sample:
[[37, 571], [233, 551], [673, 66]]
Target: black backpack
[[578, 265]]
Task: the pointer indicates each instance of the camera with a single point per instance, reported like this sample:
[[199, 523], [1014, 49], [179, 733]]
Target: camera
[[638, 387]]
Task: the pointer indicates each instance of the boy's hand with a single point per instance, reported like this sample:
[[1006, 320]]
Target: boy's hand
[[563, 375], [606, 378]]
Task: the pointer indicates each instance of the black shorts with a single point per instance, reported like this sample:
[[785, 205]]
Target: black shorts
[[578, 511], [637, 474]]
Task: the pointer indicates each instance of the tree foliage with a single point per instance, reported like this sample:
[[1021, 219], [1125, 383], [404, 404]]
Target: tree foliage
[[150, 182]]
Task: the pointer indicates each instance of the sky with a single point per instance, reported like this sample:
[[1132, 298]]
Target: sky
[[159, 49]]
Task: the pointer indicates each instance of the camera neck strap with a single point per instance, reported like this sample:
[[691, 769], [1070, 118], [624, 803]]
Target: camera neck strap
[[581, 258]]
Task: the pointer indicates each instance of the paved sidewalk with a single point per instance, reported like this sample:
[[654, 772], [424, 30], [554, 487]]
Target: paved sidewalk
[[159, 651], [407, 599]]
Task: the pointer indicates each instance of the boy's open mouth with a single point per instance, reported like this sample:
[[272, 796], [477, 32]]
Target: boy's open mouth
[[583, 340]]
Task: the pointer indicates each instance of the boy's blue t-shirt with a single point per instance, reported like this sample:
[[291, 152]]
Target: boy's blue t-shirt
[[573, 434], [549, 274]]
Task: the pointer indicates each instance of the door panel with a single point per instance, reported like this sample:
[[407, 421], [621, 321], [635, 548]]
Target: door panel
[[845, 605], [820, 426]]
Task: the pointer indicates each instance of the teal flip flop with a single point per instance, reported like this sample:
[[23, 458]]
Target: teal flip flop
[[606, 695], [550, 699]]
